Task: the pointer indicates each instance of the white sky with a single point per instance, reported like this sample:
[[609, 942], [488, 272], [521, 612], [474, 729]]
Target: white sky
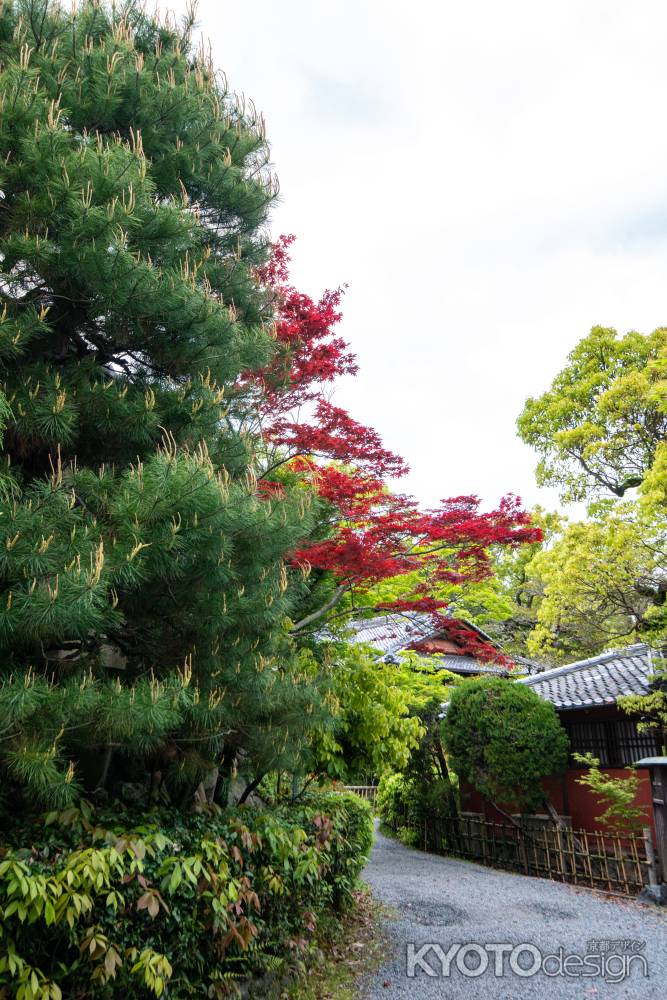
[[489, 178]]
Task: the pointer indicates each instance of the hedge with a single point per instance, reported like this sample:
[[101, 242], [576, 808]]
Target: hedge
[[94, 905]]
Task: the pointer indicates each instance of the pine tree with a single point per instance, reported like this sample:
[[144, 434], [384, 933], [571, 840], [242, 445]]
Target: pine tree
[[144, 592]]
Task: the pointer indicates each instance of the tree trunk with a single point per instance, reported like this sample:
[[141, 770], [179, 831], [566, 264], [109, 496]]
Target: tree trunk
[[560, 824], [554, 816], [249, 789], [296, 794], [104, 775], [508, 816], [440, 755]]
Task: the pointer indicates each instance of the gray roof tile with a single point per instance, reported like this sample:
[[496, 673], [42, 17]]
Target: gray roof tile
[[599, 680], [391, 633], [394, 633]]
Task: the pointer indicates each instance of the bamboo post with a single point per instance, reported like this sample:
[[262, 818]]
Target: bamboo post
[[561, 858], [523, 850], [569, 857], [606, 862], [547, 851], [577, 849], [588, 868], [636, 863], [535, 859], [620, 864]]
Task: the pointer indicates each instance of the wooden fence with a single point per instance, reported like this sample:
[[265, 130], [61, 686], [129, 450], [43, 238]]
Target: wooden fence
[[621, 864], [367, 792]]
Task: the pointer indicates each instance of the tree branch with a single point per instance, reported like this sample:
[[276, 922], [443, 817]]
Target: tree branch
[[337, 597]]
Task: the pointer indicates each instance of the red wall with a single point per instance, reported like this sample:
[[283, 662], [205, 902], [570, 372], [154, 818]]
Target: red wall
[[569, 799], [438, 646]]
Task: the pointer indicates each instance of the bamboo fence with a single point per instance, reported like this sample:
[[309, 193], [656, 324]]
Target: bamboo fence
[[611, 862], [367, 792]]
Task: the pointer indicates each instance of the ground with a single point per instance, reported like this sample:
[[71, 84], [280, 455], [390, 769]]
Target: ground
[[350, 946], [446, 901]]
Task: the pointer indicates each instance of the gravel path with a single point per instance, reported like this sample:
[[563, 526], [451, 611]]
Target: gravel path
[[445, 901]]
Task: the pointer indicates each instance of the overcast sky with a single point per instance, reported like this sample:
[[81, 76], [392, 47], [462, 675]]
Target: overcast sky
[[490, 180]]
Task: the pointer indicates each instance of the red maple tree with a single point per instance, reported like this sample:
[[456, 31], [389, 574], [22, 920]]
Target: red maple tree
[[373, 534]]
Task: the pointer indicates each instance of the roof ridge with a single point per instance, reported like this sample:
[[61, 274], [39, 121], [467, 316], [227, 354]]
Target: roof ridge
[[569, 668], [415, 618]]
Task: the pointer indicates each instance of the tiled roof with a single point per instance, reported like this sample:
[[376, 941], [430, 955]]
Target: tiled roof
[[391, 633], [597, 681], [394, 633]]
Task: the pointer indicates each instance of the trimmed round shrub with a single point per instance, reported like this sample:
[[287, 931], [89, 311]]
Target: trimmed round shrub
[[504, 739]]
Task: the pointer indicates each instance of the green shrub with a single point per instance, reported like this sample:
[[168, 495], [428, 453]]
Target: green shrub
[[93, 905], [409, 836], [407, 801], [392, 801], [504, 739]]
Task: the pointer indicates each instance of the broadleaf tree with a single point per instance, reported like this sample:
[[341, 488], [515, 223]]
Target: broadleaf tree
[[601, 432], [603, 584], [599, 426]]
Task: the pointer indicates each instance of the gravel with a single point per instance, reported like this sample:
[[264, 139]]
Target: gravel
[[440, 900]]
